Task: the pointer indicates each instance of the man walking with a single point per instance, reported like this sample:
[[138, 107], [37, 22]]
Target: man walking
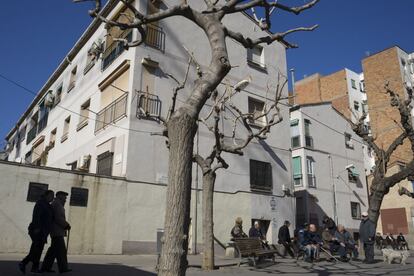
[[284, 238], [58, 249], [39, 229], [367, 237]]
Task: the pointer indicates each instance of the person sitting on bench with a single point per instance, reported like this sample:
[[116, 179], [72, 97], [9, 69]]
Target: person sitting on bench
[[237, 230], [311, 244], [402, 243], [345, 240]]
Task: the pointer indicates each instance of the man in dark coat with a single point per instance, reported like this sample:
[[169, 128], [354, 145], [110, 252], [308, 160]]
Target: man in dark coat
[[402, 243], [256, 232], [284, 238], [367, 237], [39, 229], [58, 248], [312, 242], [330, 224]]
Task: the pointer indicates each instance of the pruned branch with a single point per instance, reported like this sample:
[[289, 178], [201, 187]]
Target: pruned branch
[[280, 37]]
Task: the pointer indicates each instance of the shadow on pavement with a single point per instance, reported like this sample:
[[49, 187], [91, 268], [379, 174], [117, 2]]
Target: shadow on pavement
[[9, 268]]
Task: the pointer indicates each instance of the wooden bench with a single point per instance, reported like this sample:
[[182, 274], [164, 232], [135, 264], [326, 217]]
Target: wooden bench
[[252, 248]]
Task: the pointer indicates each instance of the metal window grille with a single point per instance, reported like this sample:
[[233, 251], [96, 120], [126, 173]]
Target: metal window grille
[[104, 164], [260, 176]]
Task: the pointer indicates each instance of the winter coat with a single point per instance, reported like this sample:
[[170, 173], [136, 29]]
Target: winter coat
[[311, 238], [255, 233], [60, 225], [42, 220], [284, 235], [367, 231], [344, 237], [237, 232]]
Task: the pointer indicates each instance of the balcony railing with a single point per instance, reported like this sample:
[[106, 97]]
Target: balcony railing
[[31, 134], [155, 37], [112, 113], [115, 49], [148, 105], [311, 181], [42, 123]]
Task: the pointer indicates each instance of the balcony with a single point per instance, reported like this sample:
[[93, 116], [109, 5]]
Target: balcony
[[148, 105], [31, 134], [155, 37], [42, 123], [112, 113], [311, 181], [309, 141], [114, 50]]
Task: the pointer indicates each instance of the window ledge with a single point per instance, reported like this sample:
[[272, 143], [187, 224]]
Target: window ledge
[[88, 67], [71, 86], [82, 124], [256, 65], [64, 137]]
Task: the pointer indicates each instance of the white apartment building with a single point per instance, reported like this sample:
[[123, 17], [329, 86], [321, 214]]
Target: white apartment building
[[328, 166], [95, 114]]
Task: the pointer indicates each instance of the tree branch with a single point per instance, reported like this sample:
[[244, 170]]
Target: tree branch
[[234, 6]]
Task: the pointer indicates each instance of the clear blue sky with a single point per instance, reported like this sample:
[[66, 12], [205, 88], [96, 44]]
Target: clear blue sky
[[37, 34]]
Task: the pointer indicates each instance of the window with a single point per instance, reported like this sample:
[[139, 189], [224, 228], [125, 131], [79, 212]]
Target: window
[[22, 134], [84, 115], [353, 84], [308, 138], [65, 130], [294, 133], [355, 210], [356, 105], [73, 165], [362, 86], [58, 95], [36, 190], [260, 176], [92, 55], [43, 114], [79, 197], [348, 141], [297, 170], [310, 170], [364, 106], [353, 175], [52, 139], [255, 57], [72, 80], [104, 164], [28, 157], [256, 108], [412, 67]]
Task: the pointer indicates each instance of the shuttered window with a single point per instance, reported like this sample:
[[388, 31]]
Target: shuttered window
[[79, 197], [36, 190], [297, 170], [260, 176], [104, 164]]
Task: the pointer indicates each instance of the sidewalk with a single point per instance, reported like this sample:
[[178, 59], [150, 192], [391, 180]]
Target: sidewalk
[[131, 265]]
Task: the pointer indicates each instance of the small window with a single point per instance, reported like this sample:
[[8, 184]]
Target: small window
[[52, 139], [28, 157], [362, 86], [92, 56], [297, 170], [295, 133], [353, 84], [255, 57], [73, 165], [65, 130], [104, 164], [353, 175], [310, 170], [260, 176], [79, 197], [72, 80], [256, 108], [84, 115], [356, 105], [22, 134], [308, 137], [36, 190], [355, 210], [348, 141], [58, 95]]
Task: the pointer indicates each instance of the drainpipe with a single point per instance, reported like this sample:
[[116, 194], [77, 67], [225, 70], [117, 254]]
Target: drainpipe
[[333, 190], [292, 74]]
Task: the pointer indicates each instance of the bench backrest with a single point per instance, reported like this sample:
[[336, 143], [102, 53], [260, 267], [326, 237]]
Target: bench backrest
[[247, 246]]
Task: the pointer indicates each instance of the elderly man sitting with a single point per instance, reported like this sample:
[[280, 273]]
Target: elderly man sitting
[[346, 241], [311, 244]]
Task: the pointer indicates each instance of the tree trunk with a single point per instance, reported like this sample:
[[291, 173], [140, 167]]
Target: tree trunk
[[208, 225], [375, 199], [181, 131]]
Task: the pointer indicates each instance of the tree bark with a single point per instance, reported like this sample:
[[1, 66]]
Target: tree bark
[[378, 191], [208, 224], [181, 131]]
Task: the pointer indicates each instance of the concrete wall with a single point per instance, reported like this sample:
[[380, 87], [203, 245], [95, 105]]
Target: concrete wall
[[121, 216]]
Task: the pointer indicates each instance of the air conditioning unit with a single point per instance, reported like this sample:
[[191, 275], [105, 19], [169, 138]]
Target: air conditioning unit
[[84, 162], [49, 99]]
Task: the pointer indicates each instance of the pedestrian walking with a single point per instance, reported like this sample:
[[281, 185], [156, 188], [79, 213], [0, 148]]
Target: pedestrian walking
[[367, 237], [39, 229], [57, 249], [285, 239]]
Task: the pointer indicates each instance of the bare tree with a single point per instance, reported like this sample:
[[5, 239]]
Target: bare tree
[[381, 182], [209, 165], [181, 125]]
